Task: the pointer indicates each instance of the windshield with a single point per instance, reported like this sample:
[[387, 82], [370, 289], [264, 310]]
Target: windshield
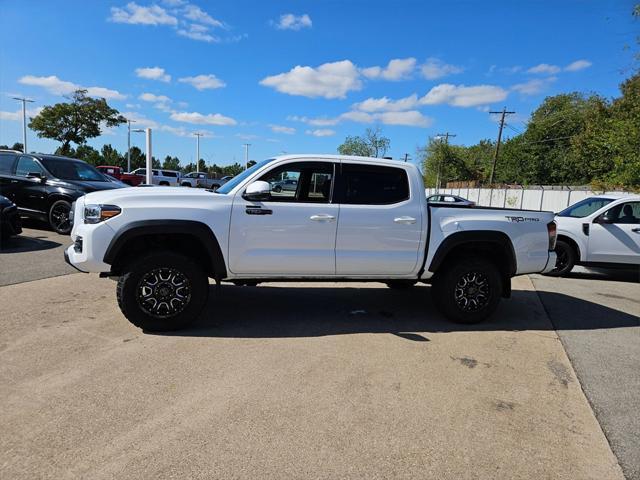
[[235, 181], [585, 207], [72, 170]]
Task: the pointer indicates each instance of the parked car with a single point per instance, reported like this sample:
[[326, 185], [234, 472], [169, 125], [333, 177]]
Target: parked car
[[375, 225], [449, 199], [600, 231], [45, 186], [119, 174], [168, 178], [9, 219], [288, 185], [202, 180]]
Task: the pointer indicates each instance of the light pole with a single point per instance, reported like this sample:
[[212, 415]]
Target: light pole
[[24, 121], [246, 155], [149, 157], [129, 122], [198, 135]]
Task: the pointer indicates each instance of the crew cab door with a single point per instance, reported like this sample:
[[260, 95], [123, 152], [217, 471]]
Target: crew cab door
[[618, 241], [380, 225], [291, 233]]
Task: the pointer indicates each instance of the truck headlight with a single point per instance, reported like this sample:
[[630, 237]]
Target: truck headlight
[[100, 213]]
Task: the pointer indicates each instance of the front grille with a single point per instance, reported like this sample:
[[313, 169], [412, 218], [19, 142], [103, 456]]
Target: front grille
[[77, 246]]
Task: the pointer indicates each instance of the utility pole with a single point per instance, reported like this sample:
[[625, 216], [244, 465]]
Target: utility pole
[[503, 114], [198, 135], [129, 122], [446, 142], [246, 155], [24, 121], [406, 157]]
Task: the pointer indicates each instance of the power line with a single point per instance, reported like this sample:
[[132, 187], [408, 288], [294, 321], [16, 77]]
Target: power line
[[503, 114]]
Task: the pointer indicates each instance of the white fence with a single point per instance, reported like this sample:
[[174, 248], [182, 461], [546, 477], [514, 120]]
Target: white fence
[[535, 197]]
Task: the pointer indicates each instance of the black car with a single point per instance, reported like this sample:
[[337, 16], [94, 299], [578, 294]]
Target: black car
[[9, 219], [45, 186]]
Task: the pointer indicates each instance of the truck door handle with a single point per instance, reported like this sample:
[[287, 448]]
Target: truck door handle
[[322, 217], [256, 210], [405, 220], [637, 230]]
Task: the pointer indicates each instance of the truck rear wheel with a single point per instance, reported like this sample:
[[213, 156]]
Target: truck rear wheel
[[162, 291], [468, 291]]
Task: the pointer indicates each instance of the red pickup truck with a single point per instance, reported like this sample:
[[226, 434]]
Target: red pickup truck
[[120, 174]]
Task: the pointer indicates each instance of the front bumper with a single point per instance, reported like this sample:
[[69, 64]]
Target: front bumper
[[551, 262], [90, 241]]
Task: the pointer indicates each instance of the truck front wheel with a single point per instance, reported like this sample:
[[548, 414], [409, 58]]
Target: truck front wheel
[[468, 291], [162, 291]]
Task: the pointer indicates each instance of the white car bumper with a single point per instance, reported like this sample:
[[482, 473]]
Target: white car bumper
[[88, 240]]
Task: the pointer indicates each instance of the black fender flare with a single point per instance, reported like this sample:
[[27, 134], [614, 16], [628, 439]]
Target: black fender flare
[[200, 231], [500, 239]]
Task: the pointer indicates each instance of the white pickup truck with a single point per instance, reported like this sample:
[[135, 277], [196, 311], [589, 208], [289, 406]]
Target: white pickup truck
[[349, 218]]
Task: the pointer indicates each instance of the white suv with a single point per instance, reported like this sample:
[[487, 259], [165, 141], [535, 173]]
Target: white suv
[[169, 178], [601, 231]]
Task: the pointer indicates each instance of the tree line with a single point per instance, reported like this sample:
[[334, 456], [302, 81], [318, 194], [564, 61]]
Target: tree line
[[570, 139]]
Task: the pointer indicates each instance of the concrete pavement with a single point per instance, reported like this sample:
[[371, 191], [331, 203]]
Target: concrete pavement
[[597, 316], [289, 381]]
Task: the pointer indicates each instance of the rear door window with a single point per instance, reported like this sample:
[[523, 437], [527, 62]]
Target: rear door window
[[6, 162], [373, 185]]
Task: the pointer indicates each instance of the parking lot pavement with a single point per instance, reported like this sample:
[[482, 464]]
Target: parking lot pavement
[[289, 381], [597, 316], [36, 253]]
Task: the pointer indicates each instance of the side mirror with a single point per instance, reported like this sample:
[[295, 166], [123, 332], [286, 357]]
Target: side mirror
[[257, 191], [605, 219], [37, 175]]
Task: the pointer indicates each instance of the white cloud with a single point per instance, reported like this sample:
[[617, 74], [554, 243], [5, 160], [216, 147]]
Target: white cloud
[[183, 132], [545, 69], [289, 21], [196, 14], [136, 14], [577, 65], [396, 69], [462, 96], [282, 129], [246, 136], [198, 32], [321, 132], [153, 73], [17, 115], [140, 121], [435, 68], [202, 119], [411, 118], [386, 104], [534, 86], [61, 87], [203, 82], [330, 80], [316, 122], [150, 97]]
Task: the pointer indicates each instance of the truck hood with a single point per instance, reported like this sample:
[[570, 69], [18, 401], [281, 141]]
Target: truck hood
[[137, 194]]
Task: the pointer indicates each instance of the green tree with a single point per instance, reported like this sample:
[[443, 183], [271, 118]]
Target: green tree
[[76, 121], [171, 163], [371, 144], [89, 155], [138, 159], [110, 156]]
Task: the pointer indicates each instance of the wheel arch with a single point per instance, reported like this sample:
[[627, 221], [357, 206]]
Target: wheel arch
[[188, 236], [574, 244], [493, 245]]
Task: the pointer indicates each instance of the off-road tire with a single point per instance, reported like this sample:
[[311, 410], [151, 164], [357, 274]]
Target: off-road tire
[[452, 286], [566, 259], [129, 291]]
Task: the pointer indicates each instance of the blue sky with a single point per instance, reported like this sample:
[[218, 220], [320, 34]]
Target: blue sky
[[299, 76]]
